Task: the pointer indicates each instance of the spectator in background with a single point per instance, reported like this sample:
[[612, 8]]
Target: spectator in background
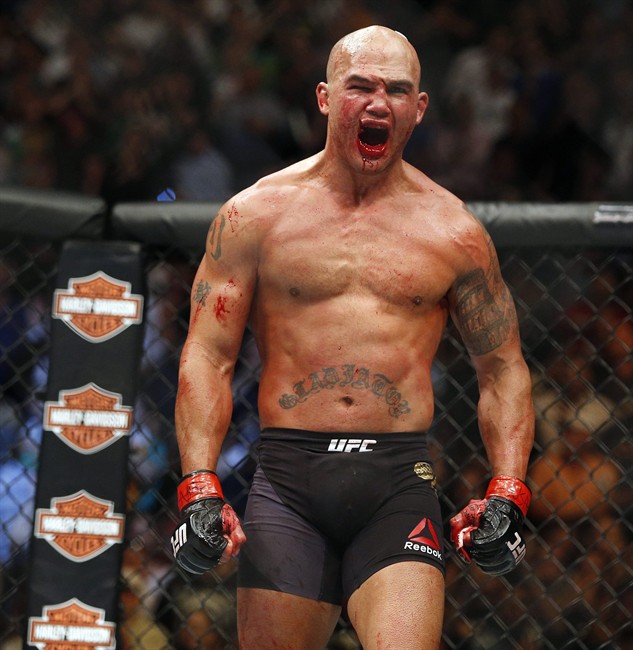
[[484, 74], [460, 149], [244, 66], [203, 172], [130, 175], [573, 163], [255, 132]]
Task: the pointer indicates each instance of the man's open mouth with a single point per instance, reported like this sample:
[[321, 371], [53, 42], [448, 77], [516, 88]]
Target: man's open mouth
[[372, 141]]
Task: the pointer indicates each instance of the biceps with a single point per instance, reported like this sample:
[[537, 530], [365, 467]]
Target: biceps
[[483, 311], [220, 305]]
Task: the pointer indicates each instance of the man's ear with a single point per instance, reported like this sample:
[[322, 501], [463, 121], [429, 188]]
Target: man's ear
[[323, 98], [423, 102]]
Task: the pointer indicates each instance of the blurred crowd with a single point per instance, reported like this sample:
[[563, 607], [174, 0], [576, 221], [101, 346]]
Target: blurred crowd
[[530, 99]]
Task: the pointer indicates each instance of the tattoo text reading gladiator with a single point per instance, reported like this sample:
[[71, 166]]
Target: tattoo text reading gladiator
[[352, 376]]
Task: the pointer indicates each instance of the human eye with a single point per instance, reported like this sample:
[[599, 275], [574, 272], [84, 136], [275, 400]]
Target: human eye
[[359, 84]]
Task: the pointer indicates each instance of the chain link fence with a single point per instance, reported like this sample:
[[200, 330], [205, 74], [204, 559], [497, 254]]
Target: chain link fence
[[574, 589]]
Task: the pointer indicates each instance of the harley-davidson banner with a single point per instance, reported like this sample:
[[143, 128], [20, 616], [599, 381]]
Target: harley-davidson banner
[[88, 415], [72, 624], [88, 418], [97, 306], [79, 526]]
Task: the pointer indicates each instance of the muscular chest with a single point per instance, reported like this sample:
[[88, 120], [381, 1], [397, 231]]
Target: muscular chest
[[322, 254]]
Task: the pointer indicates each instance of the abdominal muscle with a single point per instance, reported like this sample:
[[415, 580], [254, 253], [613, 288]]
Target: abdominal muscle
[[376, 379], [354, 410]]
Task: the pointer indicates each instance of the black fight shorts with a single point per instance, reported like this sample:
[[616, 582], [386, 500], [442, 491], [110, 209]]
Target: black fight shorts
[[326, 511]]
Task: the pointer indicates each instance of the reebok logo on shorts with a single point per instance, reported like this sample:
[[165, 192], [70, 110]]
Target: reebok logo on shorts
[[424, 539]]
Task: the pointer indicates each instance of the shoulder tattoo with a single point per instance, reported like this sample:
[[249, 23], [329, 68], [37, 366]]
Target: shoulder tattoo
[[215, 236], [483, 306]]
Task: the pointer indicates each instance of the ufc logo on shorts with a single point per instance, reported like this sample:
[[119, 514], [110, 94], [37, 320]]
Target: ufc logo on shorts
[[179, 538], [343, 444], [517, 547]]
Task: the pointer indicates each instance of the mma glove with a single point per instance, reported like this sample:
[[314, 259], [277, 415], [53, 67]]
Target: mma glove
[[488, 531], [206, 523]]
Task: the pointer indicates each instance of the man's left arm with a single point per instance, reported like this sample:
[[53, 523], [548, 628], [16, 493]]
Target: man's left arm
[[488, 531]]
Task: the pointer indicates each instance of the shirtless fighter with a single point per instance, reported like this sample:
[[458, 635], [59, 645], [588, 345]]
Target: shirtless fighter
[[348, 265]]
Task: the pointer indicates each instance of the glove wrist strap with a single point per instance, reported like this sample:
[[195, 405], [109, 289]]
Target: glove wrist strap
[[201, 484], [511, 488]]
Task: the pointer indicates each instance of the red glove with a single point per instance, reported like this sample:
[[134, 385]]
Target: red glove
[[209, 532], [488, 531]]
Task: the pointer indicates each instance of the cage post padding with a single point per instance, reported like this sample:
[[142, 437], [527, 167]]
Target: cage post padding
[[79, 522]]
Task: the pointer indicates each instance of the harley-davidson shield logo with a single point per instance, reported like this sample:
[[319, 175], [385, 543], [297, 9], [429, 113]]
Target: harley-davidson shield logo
[[80, 526], [97, 307], [88, 419], [71, 624]]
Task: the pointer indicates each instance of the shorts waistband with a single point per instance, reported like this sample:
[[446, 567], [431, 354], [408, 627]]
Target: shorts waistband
[[281, 433]]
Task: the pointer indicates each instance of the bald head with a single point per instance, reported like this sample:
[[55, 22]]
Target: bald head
[[354, 47]]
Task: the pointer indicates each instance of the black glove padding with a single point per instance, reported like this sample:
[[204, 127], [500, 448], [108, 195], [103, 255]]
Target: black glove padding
[[496, 544], [198, 542]]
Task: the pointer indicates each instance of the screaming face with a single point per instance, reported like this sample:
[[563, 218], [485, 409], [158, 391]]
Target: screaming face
[[371, 98]]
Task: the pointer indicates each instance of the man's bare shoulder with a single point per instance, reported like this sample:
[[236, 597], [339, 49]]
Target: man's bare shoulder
[[271, 192], [248, 217], [450, 213], [448, 221]]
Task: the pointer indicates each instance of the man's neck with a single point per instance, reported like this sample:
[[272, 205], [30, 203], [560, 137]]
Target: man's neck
[[360, 187]]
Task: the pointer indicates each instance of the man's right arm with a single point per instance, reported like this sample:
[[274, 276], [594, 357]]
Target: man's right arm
[[221, 298]]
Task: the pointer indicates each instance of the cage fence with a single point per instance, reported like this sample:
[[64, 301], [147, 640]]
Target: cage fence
[[574, 589]]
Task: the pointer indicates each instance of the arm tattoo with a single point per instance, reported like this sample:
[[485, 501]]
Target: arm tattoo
[[215, 236], [203, 289], [483, 307]]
